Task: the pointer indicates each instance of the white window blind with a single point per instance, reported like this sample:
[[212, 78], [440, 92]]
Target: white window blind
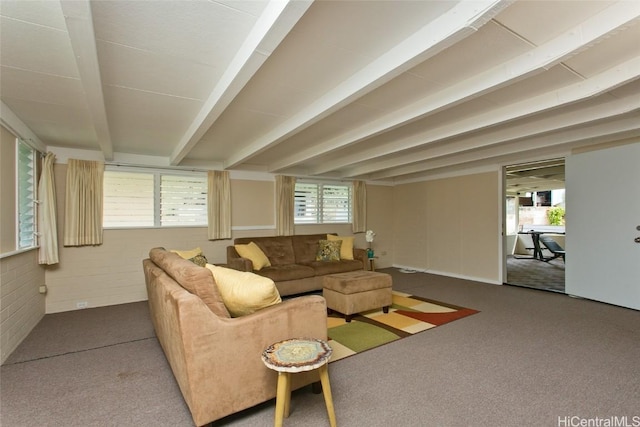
[[26, 195], [154, 199], [128, 199], [183, 200], [322, 203], [307, 205]]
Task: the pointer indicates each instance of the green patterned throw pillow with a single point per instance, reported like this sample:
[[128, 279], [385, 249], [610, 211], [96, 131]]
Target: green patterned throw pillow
[[328, 250], [194, 255], [200, 260]]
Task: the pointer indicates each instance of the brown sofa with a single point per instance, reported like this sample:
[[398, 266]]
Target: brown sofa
[[294, 268], [215, 358]]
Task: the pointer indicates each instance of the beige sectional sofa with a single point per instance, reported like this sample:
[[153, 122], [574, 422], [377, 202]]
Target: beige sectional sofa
[[215, 358], [294, 268]]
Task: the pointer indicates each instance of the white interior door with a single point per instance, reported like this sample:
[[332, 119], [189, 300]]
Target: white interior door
[[603, 206]]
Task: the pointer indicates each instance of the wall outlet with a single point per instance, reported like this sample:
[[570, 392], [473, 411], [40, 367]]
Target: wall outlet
[[81, 304], [42, 289]]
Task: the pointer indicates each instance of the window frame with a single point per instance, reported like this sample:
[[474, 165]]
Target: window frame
[[321, 212], [157, 193], [20, 189]]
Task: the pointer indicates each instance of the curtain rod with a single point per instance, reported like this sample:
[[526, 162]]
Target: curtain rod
[[191, 169], [171, 168], [32, 145]]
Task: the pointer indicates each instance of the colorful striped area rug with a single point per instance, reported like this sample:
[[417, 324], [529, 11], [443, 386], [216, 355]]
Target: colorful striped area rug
[[407, 316]]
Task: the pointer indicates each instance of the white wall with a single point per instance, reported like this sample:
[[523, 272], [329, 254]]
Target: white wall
[[450, 226]]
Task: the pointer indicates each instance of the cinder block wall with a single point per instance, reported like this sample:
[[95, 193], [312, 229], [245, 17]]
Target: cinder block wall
[[21, 304]]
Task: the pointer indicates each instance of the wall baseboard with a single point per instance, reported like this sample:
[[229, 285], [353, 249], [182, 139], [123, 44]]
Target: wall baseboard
[[449, 274]]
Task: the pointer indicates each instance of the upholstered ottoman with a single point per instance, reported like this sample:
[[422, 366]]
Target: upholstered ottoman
[[357, 291]]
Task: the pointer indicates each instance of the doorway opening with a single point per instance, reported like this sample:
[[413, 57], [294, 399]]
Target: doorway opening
[[535, 225]]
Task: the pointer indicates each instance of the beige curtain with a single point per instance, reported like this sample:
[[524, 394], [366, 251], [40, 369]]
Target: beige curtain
[[359, 223], [83, 204], [219, 205], [285, 201], [47, 224]]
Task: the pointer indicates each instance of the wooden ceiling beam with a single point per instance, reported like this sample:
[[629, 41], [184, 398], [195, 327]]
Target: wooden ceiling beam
[[79, 21], [278, 18], [456, 24], [583, 134], [584, 90], [537, 60]]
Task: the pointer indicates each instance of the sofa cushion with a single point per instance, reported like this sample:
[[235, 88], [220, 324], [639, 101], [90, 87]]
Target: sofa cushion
[[197, 280], [253, 253], [281, 273], [328, 250], [278, 249], [321, 268], [305, 247], [346, 249], [244, 292]]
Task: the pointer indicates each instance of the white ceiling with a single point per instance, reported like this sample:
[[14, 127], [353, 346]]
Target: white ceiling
[[377, 90], [542, 175]]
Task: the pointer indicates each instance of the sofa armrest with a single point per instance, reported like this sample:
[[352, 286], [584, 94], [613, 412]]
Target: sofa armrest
[[235, 261], [222, 356], [361, 255]]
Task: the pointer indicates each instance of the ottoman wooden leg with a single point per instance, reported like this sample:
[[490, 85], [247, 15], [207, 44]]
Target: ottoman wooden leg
[[385, 309], [348, 317]]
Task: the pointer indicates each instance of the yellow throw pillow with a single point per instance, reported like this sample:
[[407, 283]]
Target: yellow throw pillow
[[255, 254], [346, 250], [244, 292], [188, 254]]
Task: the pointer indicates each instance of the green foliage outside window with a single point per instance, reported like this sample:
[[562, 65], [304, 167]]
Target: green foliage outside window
[[556, 215]]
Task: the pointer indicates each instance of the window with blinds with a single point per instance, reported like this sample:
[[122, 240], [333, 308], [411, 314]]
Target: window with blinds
[[26, 180], [183, 200], [154, 199], [322, 203]]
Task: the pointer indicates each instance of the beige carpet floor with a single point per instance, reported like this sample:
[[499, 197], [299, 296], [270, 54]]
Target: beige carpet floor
[[529, 358]]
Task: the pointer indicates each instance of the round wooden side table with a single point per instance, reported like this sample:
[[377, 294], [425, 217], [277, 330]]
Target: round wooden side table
[[298, 355]]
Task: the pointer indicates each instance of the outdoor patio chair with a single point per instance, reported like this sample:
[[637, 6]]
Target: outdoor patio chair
[[553, 247]]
